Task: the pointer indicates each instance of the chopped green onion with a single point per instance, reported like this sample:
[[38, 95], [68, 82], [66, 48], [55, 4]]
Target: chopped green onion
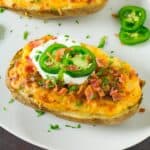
[[40, 113], [88, 36], [59, 24], [4, 108], [101, 71], [102, 42], [105, 81], [111, 52], [74, 127], [25, 35], [11, 101], [61, 75], [2, 10], [67, 36], [37, 57], [77, 21], [53, 127], [40, 82], [73, 88]]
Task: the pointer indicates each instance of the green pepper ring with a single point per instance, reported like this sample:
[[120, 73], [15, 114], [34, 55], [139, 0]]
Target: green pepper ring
[[131, 26], [81, 72], [51, 49], [128, 38]]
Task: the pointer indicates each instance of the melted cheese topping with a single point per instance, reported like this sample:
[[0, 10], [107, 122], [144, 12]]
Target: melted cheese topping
[[49, 4], [54, 101]]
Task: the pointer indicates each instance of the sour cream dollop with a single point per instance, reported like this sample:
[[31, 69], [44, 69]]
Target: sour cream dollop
[[62, 40]]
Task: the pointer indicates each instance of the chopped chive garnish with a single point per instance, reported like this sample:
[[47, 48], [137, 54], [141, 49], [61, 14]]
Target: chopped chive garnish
[[111, 52], [11, 101], [77, 21], [73, 88], [105, 81], [59, 24], [25, 35], [40, 113], [4, 108], [2, 10], [88, 36], [67, 36], [40, 82], [37, 57], [39, 52], [45, 21], [53, 127], [102, 42], [74, 127], [101, 71]]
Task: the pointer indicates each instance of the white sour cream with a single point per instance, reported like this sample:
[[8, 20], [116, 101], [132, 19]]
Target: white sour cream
[[62, 40]]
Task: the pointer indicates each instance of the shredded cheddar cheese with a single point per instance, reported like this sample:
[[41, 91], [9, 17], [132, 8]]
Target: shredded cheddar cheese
[[21, 79]]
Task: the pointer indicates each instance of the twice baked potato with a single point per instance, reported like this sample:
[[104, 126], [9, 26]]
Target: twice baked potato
[[54, 8], [75, 81]]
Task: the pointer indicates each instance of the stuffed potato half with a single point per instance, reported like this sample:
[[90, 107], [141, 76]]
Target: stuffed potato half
[[109, 94], [54, 8]]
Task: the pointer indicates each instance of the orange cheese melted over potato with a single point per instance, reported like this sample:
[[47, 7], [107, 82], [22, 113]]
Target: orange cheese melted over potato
[[43, 5], [22, 72]]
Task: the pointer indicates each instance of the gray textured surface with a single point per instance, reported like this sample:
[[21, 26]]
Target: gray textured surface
[[10, 142]]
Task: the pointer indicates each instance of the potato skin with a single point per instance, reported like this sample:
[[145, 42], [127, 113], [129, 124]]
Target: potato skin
[[60, 13], [29, 101]]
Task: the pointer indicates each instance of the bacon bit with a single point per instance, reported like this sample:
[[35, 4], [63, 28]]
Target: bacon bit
[[142, 83], [29, 68], [122, 78], [132, 73], [38, 42], [55, 89], [28, 59], [115, 73], [114, 15], [95, 83], [101, 93], [80, 90], [89, 93], [99, 62], [63, 91], [59, 54], [142, 110], [72, 67], [115, 94]]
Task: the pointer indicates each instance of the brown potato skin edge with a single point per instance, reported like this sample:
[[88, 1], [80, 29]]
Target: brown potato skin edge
[[29, 102], [62, 14]]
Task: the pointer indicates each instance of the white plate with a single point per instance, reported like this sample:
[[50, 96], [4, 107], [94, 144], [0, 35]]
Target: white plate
[[23, 122]]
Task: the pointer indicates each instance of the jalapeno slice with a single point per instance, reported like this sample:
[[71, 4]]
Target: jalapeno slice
[[79, 62], [48, 60], [132, 17], [131, 38]]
